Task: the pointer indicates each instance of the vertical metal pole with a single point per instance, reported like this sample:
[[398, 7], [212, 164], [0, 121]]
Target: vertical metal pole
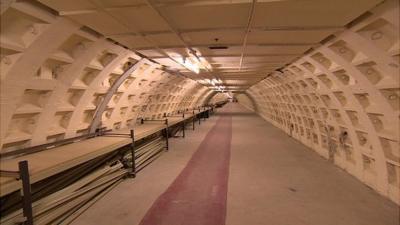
[[183, 128], [183, 125], [26, 192], [133, 172], [166, 134], [193, 119], [199, 115]]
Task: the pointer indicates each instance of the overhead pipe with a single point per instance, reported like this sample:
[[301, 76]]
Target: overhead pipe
[[248, 28]]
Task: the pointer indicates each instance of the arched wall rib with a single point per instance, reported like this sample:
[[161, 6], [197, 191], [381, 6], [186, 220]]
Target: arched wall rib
[[341, 100]]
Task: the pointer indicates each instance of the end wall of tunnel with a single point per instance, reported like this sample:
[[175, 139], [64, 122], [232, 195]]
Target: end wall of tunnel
[[342, 98]]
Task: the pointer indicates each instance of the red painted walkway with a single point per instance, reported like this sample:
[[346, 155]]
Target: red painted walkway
[[198, 195]]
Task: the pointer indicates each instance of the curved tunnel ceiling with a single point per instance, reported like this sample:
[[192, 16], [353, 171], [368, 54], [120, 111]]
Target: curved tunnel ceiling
[[330, 79], [238, 42], [56, 75]]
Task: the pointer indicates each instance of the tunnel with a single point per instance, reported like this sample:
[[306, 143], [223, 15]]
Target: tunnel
[[200, 112]]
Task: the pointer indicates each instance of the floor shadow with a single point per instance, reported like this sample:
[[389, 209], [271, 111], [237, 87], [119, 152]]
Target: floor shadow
[[237, 114]]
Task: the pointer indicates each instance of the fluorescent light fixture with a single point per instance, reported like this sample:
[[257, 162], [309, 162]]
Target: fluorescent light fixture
[[217, 81], [188, 64], [192, 62]]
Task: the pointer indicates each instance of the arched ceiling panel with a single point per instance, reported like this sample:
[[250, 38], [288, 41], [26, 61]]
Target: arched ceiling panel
[[55, 76], [226, 39]]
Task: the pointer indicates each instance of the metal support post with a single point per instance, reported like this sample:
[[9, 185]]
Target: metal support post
[[133, 169], [166, 134], [183, 128], [193, 119], [199, 117], [183, 125], [26, 192]]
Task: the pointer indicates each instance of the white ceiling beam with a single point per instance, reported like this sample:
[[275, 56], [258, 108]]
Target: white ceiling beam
[[77, 12], [250, 65], [248, 69], [241, 28], [185, 3], [212, 2], [243, 76], [243, 79], [246, 72], [255, 63], [238, 55], [235, 71], [309, 44]]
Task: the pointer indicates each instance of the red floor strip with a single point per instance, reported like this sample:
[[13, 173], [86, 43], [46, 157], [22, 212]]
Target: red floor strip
[[198, 195]]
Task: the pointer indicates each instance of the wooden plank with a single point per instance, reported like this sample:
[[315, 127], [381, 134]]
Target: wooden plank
[[47, 163]]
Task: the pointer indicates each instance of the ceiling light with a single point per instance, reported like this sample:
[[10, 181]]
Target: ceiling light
[[217, 81], [189, 64], [218, 47]]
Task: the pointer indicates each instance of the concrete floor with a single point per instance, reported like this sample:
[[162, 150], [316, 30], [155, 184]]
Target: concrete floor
[[276, 180], [273, 180]]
